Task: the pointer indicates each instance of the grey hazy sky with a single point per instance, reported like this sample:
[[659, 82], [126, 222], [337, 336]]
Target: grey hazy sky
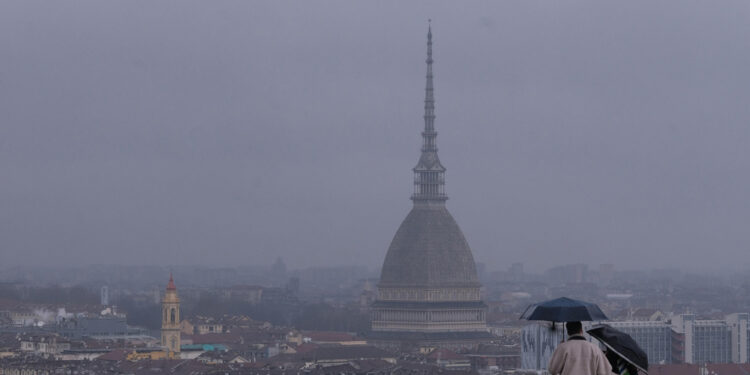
[[231, 132]]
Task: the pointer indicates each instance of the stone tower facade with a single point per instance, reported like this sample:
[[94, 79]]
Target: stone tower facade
[[170, 319], [429, 291]]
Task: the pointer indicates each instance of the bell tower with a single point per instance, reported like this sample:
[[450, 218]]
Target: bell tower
[[170, 320]]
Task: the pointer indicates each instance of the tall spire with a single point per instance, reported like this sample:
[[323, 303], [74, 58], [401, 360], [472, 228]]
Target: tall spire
[[429, 97], [429, 174]]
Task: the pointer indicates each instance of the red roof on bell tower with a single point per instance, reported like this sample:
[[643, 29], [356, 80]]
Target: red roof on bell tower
[[170, 285]]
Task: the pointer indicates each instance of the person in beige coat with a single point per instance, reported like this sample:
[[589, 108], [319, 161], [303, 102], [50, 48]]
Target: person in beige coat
[[576, 356]]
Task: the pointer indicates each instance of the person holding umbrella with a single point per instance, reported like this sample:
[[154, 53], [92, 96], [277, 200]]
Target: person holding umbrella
[[577, 356], [623, 353]]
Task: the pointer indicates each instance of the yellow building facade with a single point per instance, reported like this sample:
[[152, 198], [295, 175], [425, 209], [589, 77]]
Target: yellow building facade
[[152, 355]]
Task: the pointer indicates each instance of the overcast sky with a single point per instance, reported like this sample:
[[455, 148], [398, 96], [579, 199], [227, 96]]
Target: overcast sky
[[232, 132]]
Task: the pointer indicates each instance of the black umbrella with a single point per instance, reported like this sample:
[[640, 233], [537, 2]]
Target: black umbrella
[[564, 310], [621, 344]]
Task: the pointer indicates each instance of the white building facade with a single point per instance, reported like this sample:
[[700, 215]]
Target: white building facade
[[654, 337], [538, 342], [713, 341]]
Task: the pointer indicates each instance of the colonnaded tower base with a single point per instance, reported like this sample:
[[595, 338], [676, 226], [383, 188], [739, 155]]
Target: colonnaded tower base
[[428, 295]]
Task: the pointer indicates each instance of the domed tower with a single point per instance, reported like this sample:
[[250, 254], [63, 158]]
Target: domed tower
[[170, 319], [429, 291]]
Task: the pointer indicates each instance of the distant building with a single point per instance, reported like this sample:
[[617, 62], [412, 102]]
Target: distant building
[[367, 296], [278, 271], [204, 325], [646, 315], [170, 323], [449, 359], [24, 317], [276, 295], [105, 296], [186, 327], [502, 357], [738, 325], [428, 293], [515, 272], [244, 293], [292, 285], [685, 339], [713, 341], [538, 341], [705, 341], [334, 355], [149, 354], [108, 326], [569, 274], [279, 267], [606, 273], [331, 337], [47, 345], [654, 337]]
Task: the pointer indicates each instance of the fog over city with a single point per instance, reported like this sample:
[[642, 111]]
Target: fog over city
[[235, 132]]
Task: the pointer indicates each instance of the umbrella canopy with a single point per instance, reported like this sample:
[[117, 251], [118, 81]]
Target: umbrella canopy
[[564, 310], [621, 344]]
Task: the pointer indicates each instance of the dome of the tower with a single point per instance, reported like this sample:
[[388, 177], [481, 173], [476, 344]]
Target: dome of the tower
[[429, 250]]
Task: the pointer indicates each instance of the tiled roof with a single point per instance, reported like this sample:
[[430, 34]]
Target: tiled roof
[[217, 338], [329, 336], [335, 352], [444, 354], [306, 347], [115, 355]]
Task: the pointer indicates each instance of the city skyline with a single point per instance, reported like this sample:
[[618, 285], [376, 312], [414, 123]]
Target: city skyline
[[216, 187]]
